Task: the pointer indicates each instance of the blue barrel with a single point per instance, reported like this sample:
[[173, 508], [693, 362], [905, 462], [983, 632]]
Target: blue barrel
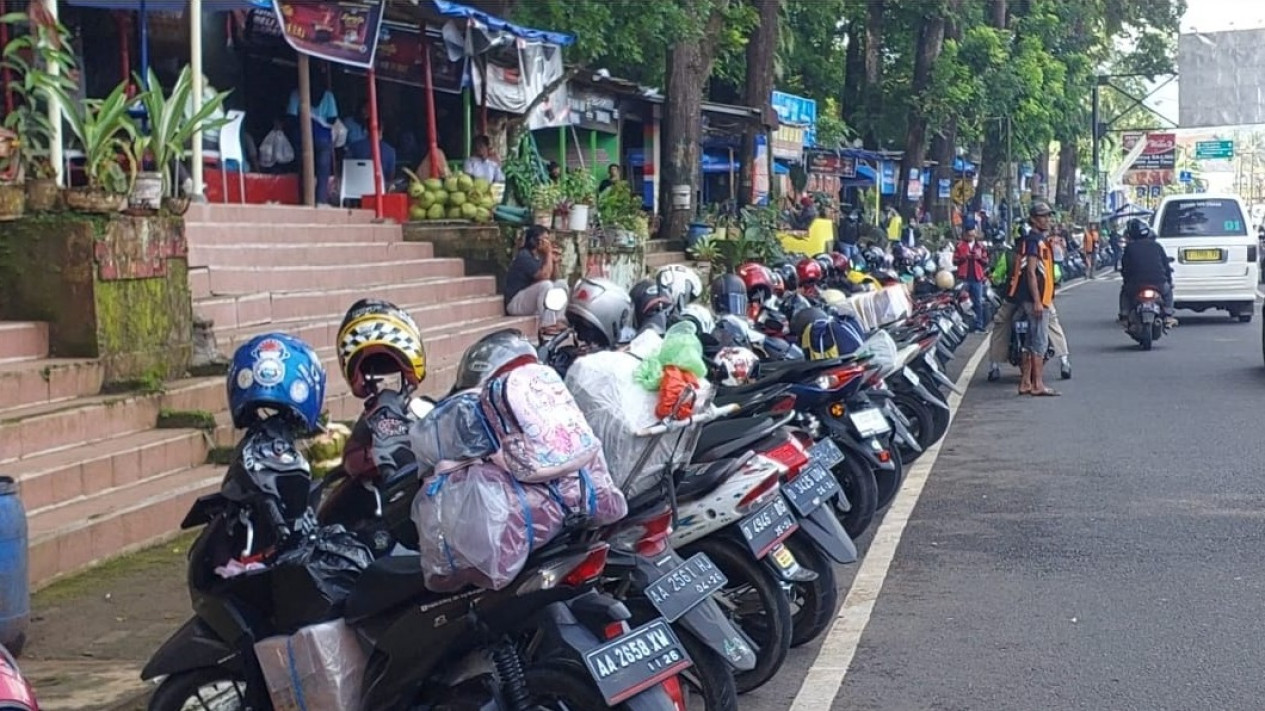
[[15, 587], [698, 230]]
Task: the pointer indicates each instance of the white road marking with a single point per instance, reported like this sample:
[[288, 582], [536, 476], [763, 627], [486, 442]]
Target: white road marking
[[825, 677]]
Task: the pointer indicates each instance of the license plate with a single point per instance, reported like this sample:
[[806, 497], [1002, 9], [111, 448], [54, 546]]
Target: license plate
[[870, 422], [913, 378], [769, 526], [1021, 326], [1202, 255], [826, 453], [946, 324], [685, 587], [808, 491], [628, 665], [930, 356]]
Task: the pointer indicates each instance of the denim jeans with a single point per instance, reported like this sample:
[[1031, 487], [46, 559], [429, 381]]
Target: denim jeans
[[976, 290]]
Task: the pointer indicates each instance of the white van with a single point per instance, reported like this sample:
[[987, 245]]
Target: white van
[[1213, 250]]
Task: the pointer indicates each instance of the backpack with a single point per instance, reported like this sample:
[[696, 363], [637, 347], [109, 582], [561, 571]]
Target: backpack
[[541, 431]]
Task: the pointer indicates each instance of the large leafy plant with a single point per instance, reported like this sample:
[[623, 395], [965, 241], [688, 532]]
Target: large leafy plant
[[107, 134], [579, 187], [38, 62], [170, 131]]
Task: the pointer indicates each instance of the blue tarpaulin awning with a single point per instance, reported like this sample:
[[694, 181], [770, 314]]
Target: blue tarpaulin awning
[[456, 9]]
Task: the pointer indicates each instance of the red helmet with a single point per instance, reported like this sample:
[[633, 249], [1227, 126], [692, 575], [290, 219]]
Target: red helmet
[[808, 271], [758, 279], [843, 265]]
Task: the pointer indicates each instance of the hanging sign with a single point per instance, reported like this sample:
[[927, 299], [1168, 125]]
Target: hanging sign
[[595, 111], [400, 59], [788, 142], [342, 31], [831, 164]]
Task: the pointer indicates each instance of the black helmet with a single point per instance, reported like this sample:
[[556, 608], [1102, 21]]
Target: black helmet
[[803, 319], [729, 295], [491, 353], [649, 306], [790, 278], [1137, 230]]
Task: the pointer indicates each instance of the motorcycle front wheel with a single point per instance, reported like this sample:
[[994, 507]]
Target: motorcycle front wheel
[[209, 688]]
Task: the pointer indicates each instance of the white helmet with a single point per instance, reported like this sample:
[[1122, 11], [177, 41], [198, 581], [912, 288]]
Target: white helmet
[[834, 298], [701, 316], [679, 282], [944, 279], [737, 366]]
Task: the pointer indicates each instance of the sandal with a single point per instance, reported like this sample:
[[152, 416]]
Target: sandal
[[1048, 392]]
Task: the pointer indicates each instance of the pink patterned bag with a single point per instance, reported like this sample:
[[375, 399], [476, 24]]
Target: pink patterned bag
[[541, 431]]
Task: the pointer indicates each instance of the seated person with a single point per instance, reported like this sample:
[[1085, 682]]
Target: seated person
[[820, 237], [531, 275], [360, 148], [483, 164]]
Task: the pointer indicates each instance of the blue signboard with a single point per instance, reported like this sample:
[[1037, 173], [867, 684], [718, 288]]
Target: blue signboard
[[1185, 176], [799, 111], [887, 182]]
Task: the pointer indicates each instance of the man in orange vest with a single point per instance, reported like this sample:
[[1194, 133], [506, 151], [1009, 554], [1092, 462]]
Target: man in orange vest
[[1032, 292]]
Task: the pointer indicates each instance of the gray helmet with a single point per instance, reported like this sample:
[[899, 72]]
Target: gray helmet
[[600, 312], [489, 354]]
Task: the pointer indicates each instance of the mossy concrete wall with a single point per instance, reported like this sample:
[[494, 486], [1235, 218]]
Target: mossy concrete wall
[[487, 250], [110, 287]]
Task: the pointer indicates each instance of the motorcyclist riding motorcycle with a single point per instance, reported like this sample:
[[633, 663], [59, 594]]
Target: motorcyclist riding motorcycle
[[1144, 263]]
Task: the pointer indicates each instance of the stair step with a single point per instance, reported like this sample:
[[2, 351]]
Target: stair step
[[654, 260], [33, 382], [23, 340], [48, 427], [230, 312], [321, 331], [249, 280], [213, 234], [60, 477], [339, 254], [275, 215], [70, 537]]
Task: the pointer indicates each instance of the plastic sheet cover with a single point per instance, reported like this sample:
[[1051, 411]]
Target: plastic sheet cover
[[884, 349], [478, 525], [318, 667], [453, 432], [617, 407]]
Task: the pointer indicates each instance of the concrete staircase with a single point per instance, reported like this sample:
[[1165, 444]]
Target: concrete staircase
[[98, 476], [661, 252]]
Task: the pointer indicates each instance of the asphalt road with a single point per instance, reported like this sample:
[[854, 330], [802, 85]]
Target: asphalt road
[[1095, 551]]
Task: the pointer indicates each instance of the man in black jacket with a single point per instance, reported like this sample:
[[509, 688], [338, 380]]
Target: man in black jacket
[[1144, 263]]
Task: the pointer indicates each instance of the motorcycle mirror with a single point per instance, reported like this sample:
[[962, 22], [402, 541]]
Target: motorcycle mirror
[[556, 299], [420, 407]]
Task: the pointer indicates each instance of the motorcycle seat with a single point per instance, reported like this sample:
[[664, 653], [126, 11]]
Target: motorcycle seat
[[697, 480], [388, 582], [725, 438]]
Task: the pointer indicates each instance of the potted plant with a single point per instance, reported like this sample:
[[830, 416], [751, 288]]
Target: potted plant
[[107, 134], [170, 133], [622, 213], [545, 199], [38, 62], [579, 189]]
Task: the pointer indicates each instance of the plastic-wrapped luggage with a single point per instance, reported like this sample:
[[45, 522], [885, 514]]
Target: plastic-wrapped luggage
[[318, 667], [883, 347], [617, 407], [453, 432], [478, 525]]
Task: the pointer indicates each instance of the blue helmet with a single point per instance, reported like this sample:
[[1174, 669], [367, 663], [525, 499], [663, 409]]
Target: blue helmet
[[278, 372]]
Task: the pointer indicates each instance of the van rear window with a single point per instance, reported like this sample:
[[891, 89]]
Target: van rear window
[[1202, 218]]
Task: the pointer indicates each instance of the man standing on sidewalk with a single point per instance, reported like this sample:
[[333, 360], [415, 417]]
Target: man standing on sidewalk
[[1032, 291], [971, 260]]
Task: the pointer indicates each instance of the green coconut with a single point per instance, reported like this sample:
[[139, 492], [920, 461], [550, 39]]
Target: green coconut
[[435, 212], [452, 184], [417, 212], [433, 184], [456, 199]]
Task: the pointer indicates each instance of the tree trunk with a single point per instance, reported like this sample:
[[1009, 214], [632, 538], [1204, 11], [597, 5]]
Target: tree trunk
[[943, 152], [1065, 188], [854, 75], [873, 71], [990, 162], [689, 64], [930, 43], [997, 13], [761, 48], [1041, 167]]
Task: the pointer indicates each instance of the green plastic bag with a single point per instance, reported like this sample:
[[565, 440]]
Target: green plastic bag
[[681, 348]]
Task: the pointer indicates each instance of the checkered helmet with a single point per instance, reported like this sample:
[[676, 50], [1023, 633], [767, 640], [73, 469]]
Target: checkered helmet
[[378, 338]]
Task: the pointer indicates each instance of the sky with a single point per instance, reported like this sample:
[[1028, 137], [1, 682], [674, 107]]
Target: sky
[[1209, 16]]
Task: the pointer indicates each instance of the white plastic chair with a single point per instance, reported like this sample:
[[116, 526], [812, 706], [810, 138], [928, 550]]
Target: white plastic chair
[[357, 181], [230, 150]]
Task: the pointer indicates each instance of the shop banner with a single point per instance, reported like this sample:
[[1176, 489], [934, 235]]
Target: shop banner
[[1158, 162], [887, 178], [788, 142], [342, 31], [831, 164], [943, 188], [400, 59], [913, 188], [797, 110], [594, 111]]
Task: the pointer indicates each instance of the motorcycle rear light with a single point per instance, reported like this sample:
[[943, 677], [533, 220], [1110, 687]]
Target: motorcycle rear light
[[840, 377], [615, 629], [1148, 294], [655, 534], [762, 493], [789, 454], [885, 456], [589, 568], [782, 405], [672, 686]]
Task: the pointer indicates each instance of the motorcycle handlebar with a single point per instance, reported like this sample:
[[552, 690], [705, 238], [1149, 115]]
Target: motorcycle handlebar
[[701, 418]]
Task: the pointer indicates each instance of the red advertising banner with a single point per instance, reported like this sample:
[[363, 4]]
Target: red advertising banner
[[343, 31], [832, 164], [1158, 162], [400, 57]]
